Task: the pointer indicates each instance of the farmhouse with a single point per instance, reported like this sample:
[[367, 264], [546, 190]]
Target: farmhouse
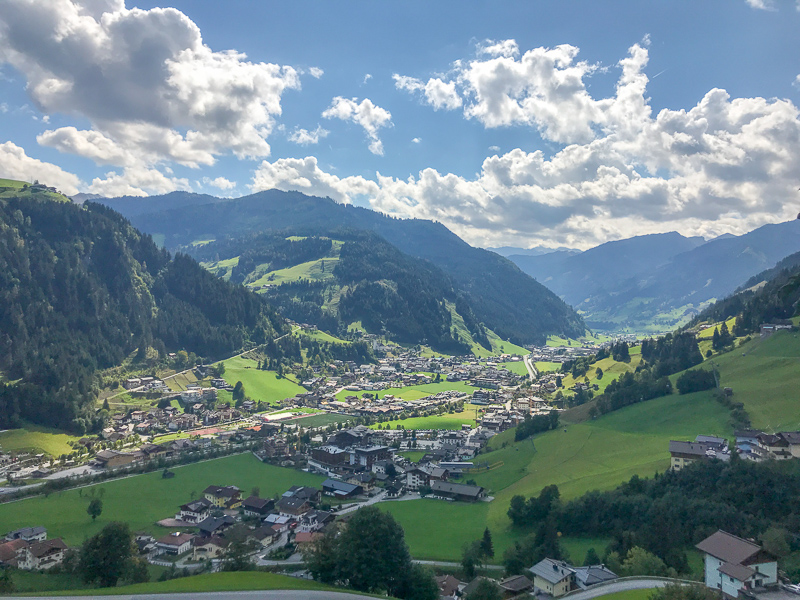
[[734, 565], [223, 497], [111, 459], [194, 511], [457, 491], [257, 507], [683, 454], [553, 577], [175, 543]]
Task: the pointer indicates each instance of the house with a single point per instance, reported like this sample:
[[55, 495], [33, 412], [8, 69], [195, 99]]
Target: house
[[11, 552], [278, 523], [683, 454], [340, 489], [175, 543], [305, 492], [772, 447], [315, 520], [554, 577], [223, 497], [29, 534], [590, 575], [449, 586], [516, 585], [254, 506], [472, 586], [263, 535], [305, 538], [212, 526], [330, 456], [292, 506], [46, 554], [734, 565], [457, 491], [365, 457], [194, 511], [365, 480], [111, 459], [209, 548]]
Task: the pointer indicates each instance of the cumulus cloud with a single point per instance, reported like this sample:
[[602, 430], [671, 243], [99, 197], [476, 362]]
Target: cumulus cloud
[[137, 181], [316, 72], [369, 116], [16, 164], [760, 4], [416, 140], [724, 165], [304, 137], [220, 183], [437, 93], [144, 79]]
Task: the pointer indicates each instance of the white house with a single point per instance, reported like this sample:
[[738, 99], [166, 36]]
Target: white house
[[733, 564]]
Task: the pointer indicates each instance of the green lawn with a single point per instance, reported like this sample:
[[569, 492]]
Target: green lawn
[[142, 500], [321, 420], [446, 421], [594, 455], [543, 366], [515, 367], [322, 336], [611, 371], [629, 595], [413, 455], [37, 440], [212, 582], [414, 392], [316, 270], [259, 385]]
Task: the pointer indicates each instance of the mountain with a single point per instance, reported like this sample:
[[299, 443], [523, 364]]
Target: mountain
[[81, 290], [357, 277], [502, 297], [658, 282], [134, 206], [508, 251]]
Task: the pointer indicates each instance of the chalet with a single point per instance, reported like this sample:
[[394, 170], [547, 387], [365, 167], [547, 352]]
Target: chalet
[[315, 520], [111, 459], [264, 535], [683, 454], [306, 538], [303, 491], [223, 497], [46, 554], [209, 548], [211, 526], [292, 506], [458, 491], [175, 543], [278, 523], [590, 575], [553, 577], [365, 480], [194, 511], [449, 587], [515, 585], [734, 565], [340, 489], [254, 506], [29, 534]]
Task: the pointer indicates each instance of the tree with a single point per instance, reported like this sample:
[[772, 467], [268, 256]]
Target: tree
[[598, 373], [6, 583], [391, 470], [238, 392], [471, 558], [256, 491], [486, 544], [639, 561], [105, 557], [591, 558], [776, 541], [680, 591], [420, 584], [485, 589], [95, 508]]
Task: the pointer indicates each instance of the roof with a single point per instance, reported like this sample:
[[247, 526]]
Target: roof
[[592, 574], [448, 585], [256, 502], [728, 548], [516, 584], [175, 539], [39, 549], [739, 572], [292, 502], [456, 488], [553, 571], [228, 491], [304, 537], [196, 505], [26, 532], [793, 437], [211, 524], [694, 448], [340, 486]]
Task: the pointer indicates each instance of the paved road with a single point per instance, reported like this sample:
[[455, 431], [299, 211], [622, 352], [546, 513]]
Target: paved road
[[259, 595], [534, 374], [620, 586]]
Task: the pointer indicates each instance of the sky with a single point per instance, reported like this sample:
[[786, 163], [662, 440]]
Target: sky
[[526, 123]]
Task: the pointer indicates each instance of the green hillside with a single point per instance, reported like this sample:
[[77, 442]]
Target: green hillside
[[11, 188]]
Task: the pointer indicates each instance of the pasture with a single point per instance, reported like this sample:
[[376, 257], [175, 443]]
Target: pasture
[[141, 500], [445, 421], [259, 385], [36, 440], [414, 392]]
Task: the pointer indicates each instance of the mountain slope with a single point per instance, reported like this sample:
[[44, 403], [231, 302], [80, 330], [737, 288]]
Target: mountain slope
[[81, 289], [505, 299], [356, 277]]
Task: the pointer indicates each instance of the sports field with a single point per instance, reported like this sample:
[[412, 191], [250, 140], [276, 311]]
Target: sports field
[[259, 385], [142, 500]]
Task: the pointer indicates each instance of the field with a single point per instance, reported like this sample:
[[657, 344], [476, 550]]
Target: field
[[414, 392], [446, 421], [515, 367], [321, 336], [259, 385], [596, 455], [36, 439], [544, 366], [765, 375], [611, 371], [321, 420], [142, 500], [413, 455], [16, 191], [211, 582]]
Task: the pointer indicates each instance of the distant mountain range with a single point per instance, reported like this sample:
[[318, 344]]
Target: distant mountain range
[[657, 282], [502, 297]]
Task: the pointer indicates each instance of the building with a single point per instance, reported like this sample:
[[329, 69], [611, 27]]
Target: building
[[457, 491], [223, 497], [330, 456], [175, 543], [590, 575], [554, 577], [683, 454], [111, 459], [340, 489], [257, 507], [516, 585], [734, 565], [29, 534], [366, 457], [292, 506], [194, 511]]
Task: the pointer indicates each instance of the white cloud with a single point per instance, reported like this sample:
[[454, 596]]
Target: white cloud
[[16, 164], [3, 107], [726, 164], [437, 93], [316, 72], [796, 81], [507, 48], [366, 114], [304, 137], [137, 181], [761, 4], [494, 148], [220, 183], [367, 77], [149, 86], [416, 140]]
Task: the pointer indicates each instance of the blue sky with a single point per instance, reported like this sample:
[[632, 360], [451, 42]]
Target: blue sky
[[514, 123]]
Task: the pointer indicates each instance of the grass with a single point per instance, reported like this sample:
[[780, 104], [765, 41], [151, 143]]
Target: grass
[[446, 421], [321, 336], [36, 440], [543, 366], [413, 455], [611, 371], [212, 582], [142, 500], [515, 367], [259, 385], [598, 454], [415, 392], [321, 420], [315, 270], [14, 190], [629, 595]]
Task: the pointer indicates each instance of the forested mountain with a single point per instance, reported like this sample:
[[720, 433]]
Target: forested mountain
[[81, 289], [772, 295], [356, 277], [662, 280], [506, 300]]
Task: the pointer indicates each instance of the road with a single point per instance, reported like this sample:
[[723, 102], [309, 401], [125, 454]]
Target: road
[[534, 374], [256, 594], [634, 583]]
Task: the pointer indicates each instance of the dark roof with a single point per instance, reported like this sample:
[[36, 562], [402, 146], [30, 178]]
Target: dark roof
[[739, 572], [39, 549], [212, 524], [340, 486], [448, 584], [196, 505], [257, 503], [516, 584], [175, 539], [456, 488], [694, 448], [228, 491], [291, 502], [728, 548], [592, 574]]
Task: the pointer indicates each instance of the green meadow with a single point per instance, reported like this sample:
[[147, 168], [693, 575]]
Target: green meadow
[[414, 392], [259, 385], [445, 421], [36, 440], [142, 500]]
